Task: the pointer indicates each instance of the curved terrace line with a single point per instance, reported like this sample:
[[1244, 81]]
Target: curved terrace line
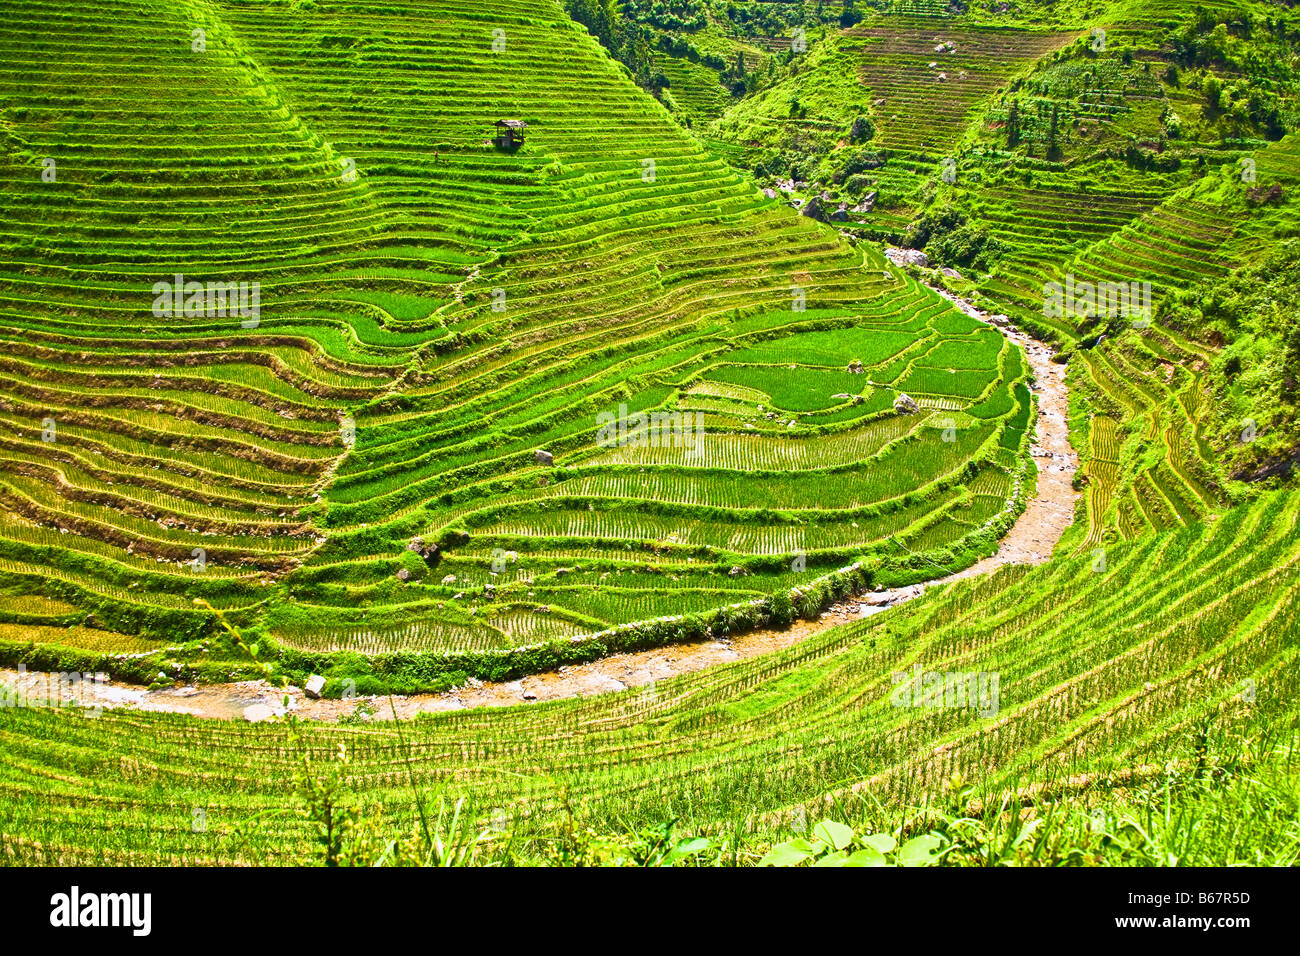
[[1030, 540]]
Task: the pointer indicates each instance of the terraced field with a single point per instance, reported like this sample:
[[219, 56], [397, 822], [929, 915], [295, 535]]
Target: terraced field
[[402, 448], [694, 89], [1193, 626], [1133, 230], [148, 459], [929, 79], [305, 374], [1146, 389], [1150, 467]]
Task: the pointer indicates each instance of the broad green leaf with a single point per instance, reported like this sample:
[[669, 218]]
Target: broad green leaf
[[919, 851], [881, 842], [833, 859], [833, 834], [784, 854], [868, 856], [687, 848]]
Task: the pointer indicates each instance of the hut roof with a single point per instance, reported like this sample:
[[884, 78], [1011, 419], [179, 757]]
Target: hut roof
[[512, 123]]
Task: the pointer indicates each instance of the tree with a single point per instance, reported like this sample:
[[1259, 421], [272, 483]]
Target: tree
[[862, 130], [1213, 89]]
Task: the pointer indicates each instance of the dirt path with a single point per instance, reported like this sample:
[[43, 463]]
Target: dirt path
[[260, 700], [1035, 533], [1030, 541]]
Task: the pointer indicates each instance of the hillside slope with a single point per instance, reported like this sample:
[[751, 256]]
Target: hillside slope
[[402, 449], [1082, 673], [407, 451]]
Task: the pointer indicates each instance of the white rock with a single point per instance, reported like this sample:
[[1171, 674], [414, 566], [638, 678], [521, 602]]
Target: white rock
[[256, 713], [906, 257], [315, 684]]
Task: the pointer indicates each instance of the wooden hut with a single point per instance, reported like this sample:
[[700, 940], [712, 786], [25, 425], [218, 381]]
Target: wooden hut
[[510, 133]]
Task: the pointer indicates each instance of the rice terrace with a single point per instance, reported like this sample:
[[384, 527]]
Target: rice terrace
[[649, 432]]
